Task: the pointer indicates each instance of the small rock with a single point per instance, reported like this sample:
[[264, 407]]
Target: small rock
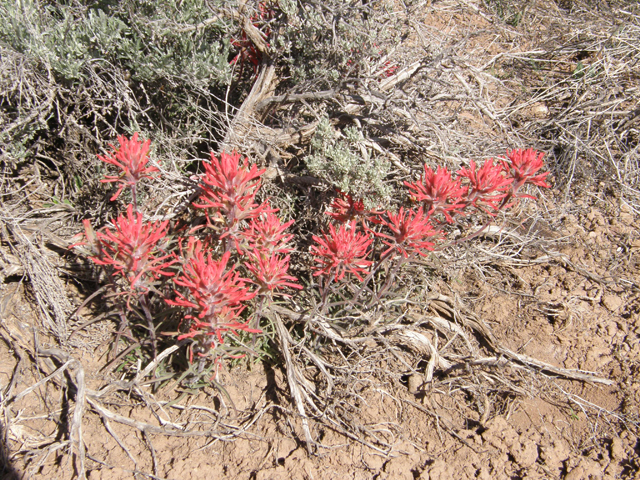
[[484, 474], [527, 455], [440, 470], [585, 470], [626, 218], [374, 462], [285, 447], [612, 302], [539, 110], [399, 468], [617, 449], [278, 473], [414, 382]]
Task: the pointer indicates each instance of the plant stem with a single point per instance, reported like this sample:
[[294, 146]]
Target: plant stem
[[144, 303], [134, 197]]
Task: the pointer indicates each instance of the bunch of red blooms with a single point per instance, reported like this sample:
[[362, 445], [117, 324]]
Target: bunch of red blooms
[[441, 196], [235, 260], [164, 262]]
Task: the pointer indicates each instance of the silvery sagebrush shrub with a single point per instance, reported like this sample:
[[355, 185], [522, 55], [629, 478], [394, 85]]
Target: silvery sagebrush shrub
[[141, 37], [346, 163], [324, 44], [76, 73], [165, 67]]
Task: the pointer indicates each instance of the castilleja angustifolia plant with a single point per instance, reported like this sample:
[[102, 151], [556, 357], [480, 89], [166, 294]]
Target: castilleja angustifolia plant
[[220, 270], [213, 274], [440, 198]]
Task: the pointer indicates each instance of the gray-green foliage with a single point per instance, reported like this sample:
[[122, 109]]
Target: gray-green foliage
[[325, 43], [147, 38], [77, 73], [344, 161], [74, 74]]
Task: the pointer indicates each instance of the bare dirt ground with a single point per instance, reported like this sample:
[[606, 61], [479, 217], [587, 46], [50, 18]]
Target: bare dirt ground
[[568, 298]]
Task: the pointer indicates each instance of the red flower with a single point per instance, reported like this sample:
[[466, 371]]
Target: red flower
[[132, 159], [487, 185], [229, 191], [215, 294], [522, 168], [410, 232], [211, 289], [132, 249], [342, 252], [438, 192], [270, 271], [247, 50], [208, 334], [388, 69], [345, 209], [267, 234]]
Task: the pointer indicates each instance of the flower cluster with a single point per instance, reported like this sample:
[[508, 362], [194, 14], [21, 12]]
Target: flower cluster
[[270, 272], [131, 158], [266, 234], [410, 232], [229, 193], [207, 284], [136, 250], [487, 188], [345, 209], [247, 51], [269, 252], [522, 166], [342, 251], [488, 185], [438, 192], [211, 288], [215, 293], [223, 277], [229, 188]]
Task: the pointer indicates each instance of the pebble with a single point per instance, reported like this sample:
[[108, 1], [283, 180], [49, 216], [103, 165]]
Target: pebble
[[617, 449], [612, 302]]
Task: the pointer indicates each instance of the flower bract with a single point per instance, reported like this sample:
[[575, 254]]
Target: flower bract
[[411, 232], [342, 251], [438, 192], [132, 247], [131, 158]]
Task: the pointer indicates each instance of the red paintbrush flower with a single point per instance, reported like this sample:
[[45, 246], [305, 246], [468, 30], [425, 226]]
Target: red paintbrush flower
[[215, 294], [438, 192], [267, 234], [411, 231], [342, 252], [523, 166], [131, 158], [345, 209], [207, 334], [229, 192], [210, 287], [132, 248], [487, 185], [270, 272]]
